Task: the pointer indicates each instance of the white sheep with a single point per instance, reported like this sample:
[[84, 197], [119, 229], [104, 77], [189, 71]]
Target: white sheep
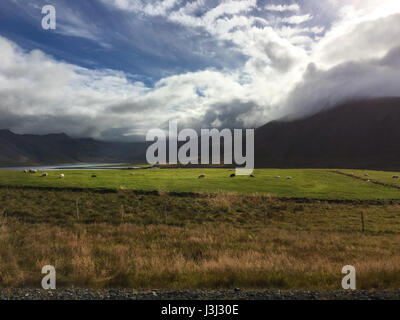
[[61, 176], [45, 174]]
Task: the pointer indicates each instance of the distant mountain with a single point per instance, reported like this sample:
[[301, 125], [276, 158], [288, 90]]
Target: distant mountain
[[357, 134], [29, 149]]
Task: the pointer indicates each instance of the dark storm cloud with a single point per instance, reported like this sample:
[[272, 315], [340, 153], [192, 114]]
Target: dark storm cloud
[[231, 114]]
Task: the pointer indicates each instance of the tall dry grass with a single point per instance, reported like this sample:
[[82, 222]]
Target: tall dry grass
[[211, 242], [210, 256]]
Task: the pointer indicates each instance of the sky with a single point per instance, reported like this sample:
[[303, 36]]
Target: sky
[[114, 69]]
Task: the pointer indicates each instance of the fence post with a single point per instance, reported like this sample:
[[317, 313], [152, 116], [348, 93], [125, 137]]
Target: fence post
[[77, 209], [122, 211], [265, 215], [362, 222]]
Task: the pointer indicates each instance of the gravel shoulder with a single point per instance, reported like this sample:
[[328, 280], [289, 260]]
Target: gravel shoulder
[[237, 294]]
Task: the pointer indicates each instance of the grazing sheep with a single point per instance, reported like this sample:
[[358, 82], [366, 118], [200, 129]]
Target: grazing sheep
[[367, 175], [45, 174], [32, 171], [395, 177], [278, 177], [289, 178], [25, 171], [233, 175], [61, 176], [202, 176], [368, 180]]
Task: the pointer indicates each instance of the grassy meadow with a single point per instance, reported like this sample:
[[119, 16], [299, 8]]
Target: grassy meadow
[[216, 232], [382, 177], [313, 184]]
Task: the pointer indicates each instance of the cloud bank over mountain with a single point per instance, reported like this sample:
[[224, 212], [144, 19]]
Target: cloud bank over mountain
[[250, 62]]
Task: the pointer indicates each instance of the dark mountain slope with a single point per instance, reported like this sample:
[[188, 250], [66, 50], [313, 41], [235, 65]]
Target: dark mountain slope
[[27, 149], [357, 134]]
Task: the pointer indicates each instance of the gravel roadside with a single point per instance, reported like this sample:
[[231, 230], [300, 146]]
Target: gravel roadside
[[237, 294]]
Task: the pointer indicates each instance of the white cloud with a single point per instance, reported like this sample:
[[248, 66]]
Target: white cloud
[[212, 18], [33, 85], [282, 8], [72, 23], [363, 41], [39, 94], [151, 8], [297, 19]]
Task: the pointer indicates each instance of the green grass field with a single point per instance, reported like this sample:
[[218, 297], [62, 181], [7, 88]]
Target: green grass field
[[384, 177], [310, 183]]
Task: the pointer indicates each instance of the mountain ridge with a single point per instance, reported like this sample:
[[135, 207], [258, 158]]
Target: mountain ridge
[[356, 134], [59, 148]]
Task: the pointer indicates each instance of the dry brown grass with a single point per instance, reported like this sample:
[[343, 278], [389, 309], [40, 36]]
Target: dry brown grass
[[210, 256], [302, 246]]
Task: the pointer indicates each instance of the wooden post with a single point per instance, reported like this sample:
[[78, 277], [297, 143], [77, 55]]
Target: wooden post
[[265, 214], [362, 222], [77, 209], [122, 211]]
